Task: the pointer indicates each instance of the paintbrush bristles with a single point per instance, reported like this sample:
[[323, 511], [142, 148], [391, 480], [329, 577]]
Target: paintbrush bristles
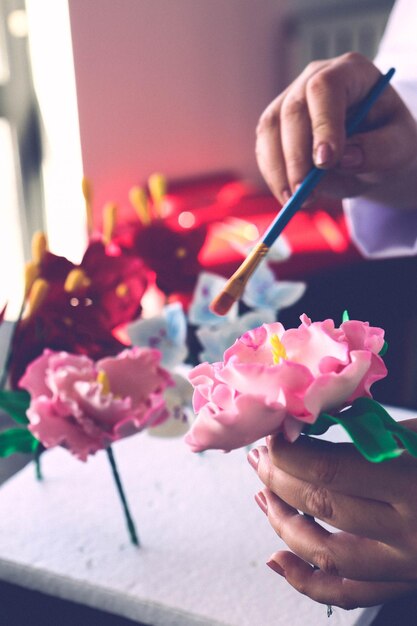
[[235, 286]]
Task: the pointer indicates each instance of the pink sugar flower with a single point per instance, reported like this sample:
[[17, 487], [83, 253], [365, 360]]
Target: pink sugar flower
[[275, 380], [85, 406]]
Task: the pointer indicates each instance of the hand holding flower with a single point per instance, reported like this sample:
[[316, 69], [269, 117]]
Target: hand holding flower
[[279, 382], [374, 558]]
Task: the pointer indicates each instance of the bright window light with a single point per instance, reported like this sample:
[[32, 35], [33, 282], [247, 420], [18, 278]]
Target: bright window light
[[11, 244], [54, 80]]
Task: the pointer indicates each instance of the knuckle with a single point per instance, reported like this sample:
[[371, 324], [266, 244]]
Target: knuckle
[[269, 120], [353, 57], [320, 83], [293, 107], [318, 502], [313, 67], [325, 469], [326, 562], [321, 89]]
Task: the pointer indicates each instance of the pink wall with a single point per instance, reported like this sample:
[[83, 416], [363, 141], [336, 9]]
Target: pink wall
[[171, 85]]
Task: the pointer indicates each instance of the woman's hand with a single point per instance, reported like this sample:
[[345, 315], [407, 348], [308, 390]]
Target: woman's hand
[[305, 125], [374, 557]]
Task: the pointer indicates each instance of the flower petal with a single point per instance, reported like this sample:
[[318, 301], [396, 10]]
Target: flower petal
[[228, 430]]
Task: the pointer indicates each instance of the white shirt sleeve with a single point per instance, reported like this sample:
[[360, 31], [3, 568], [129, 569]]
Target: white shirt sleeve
[[379, 230]]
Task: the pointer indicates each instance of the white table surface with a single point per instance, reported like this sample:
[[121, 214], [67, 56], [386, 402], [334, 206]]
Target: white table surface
[[204, 540]]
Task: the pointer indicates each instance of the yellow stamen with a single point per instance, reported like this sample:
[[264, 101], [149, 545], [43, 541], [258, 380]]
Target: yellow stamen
[[31, 274], [104, 381], [76, 279], [109, 221], [278, 350], [157, 188], [37, 295], [88, 199], [39, 246], [122, 290], [139, 201]]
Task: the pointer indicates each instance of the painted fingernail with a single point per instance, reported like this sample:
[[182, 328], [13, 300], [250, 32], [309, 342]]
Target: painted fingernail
[[261, 502], [253, 458], [352, 157], [324, 154], [276, 567]]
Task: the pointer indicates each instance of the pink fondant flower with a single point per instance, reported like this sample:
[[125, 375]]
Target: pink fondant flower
[[84, 405], [275, 380]]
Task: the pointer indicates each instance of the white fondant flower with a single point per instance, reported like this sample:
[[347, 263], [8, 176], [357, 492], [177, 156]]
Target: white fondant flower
[[178, 402], [208, 287], [264, 291], [166, 332]]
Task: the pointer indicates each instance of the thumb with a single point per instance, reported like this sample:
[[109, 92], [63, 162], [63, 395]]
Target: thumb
[[388, 148]]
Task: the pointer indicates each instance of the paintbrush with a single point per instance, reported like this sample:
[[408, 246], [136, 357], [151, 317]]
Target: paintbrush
[[235, 286]]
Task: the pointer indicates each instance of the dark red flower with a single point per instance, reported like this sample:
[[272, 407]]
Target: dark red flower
[[171, 254], [111, 289], [82, 305]]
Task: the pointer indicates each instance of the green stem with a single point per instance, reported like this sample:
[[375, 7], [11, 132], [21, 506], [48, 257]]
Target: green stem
[[37, 459], [129, 521]]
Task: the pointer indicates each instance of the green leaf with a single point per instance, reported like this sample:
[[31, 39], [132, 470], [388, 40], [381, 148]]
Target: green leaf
[[320, 426], [17, 440], [345, 316], [15, 404], [373, 431], [383, 349]]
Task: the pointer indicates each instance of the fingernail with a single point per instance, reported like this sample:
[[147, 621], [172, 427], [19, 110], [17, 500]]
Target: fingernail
[[324, 154], [352, 157], [286, 195], [253, 458], [261, 502], [276, 567]]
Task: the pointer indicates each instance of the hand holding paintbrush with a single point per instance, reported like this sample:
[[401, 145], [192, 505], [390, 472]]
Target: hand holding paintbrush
[[236, 284]]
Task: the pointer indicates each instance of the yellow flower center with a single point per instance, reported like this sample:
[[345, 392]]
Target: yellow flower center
[[278, 350], [37, 295], [31, 274], [88, 199], [109, 221], [157, 187], [138, 199], [76, 279], [104, 381], [39, 246], [122, 290]]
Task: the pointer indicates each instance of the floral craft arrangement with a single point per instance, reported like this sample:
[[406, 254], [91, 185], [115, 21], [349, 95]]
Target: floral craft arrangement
[[85, 368]]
